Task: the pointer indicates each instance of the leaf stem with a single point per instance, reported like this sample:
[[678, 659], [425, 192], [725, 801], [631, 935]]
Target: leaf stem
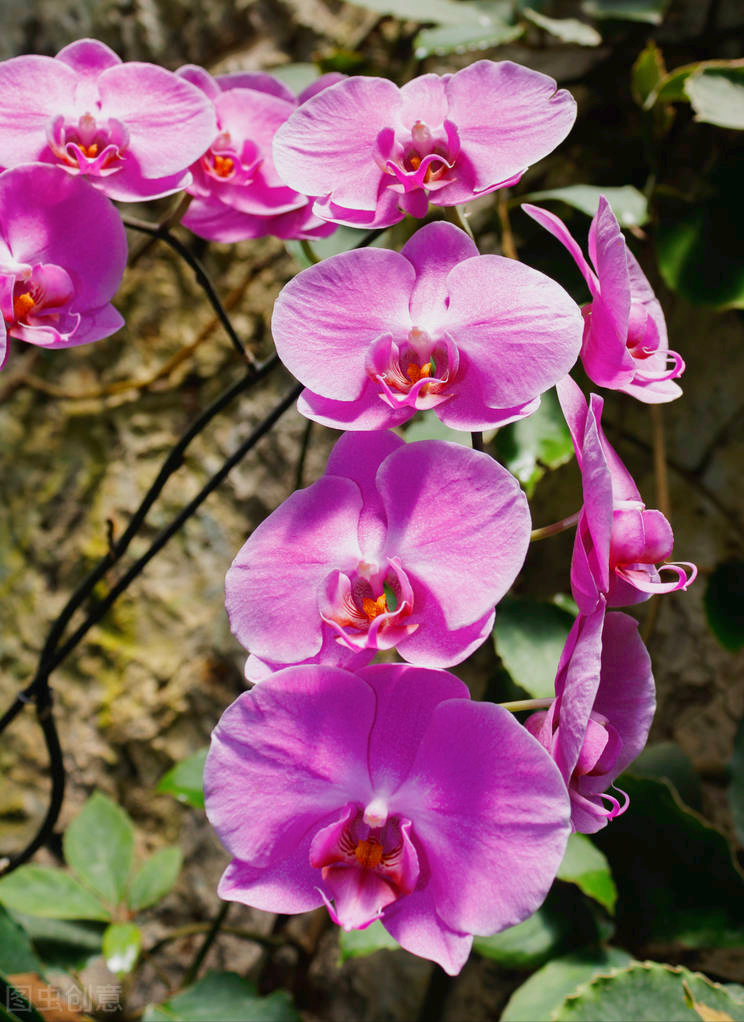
[[555, 527], [526, 704]]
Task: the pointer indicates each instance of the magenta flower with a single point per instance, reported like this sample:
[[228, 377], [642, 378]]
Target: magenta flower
[[132, 129], [374, 152], [376, 335], [625, 345], [62, 255], [618, 541], [599, 720], [375, 555], [385, 794], [237, 191]]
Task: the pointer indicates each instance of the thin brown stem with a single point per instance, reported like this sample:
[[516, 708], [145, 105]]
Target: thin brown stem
[[508, 247]]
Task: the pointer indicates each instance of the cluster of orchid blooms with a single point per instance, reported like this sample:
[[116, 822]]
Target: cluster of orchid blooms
[[379, 790]]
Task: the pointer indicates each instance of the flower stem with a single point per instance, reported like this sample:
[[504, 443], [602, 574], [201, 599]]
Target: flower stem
[[552, 530], [309, 252], [526, 704]]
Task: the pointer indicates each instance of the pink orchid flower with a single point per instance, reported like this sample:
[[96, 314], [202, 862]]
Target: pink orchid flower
[[63, 250], [625, 345], [374, 555], [374, 152], [132, 129], [618, 541], [599, 721], [385, 794], [237, 191], [376, 335]]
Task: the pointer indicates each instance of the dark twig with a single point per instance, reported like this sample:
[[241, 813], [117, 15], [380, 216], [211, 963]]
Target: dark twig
[[193, 970], [162, 231], [300, 470]]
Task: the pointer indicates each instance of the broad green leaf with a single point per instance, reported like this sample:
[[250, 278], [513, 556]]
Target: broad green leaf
[[532, 446], [49, 892], [343, 239], [675, 873], [357, 943], [671, 88], [568, 30], [628, 204], [155, 878], [668, 761], [724, 604], [463, 38], [15, 1005], [535, 1000], [184, 780], [16, 952], [438, 12], [698, 243], [736, 784], [717, 96], [529, 637], [563, 922], [647, 992], [99, 847], [297, 76], [223, 997], [584, 865], [650, 11], [647, 73], [122, 943], [426, 426], [62, 944]]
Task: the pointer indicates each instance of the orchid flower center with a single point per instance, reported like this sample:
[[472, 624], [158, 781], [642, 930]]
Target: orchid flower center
[[41, 298], [417, 372], [23, 303], [368, 608], [221, 160], [367, 861], [420, 157], [87, 145]]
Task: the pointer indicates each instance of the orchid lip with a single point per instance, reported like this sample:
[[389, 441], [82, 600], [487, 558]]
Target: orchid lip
[[677, 367]]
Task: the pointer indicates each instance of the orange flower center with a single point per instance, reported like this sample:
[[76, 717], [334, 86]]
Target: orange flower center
[[373, 608], [415, 372], [22, 305], [223, 165], [369, 853], [91, 151]]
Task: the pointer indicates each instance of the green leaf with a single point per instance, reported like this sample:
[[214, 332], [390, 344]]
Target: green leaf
[[343, 239], [650, 11], [462, 38], [529, 637], [535, 1000], [155, 878], [14, 1004], [584, 865], [736, 786], [62, 944], [675, 873], [358, 943], [563, 922], [296, 77], [647, 992], [671, 88], [628, 204], [724, 604], [184, 780], [532, 446], [717, 96], [647, 73], [52, 893], [439, 12], [568, 30], [16, 952], [698, 243], [99, 847], [668, 761], [122, 943], [223, 997], [426, 426]]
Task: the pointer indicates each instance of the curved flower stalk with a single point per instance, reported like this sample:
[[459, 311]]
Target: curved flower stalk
[[625, 345], [63, 250], [397, 545], [618, 541], [599, 721], [385, 794], [376, 335], [374, 152], [132, 129], [237, 191]]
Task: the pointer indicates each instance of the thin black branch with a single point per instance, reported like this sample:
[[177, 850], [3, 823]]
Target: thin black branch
[[162, 231]]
